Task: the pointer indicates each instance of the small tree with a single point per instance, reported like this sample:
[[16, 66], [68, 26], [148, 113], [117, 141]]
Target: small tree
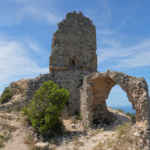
[[6, 95], [45, 109]]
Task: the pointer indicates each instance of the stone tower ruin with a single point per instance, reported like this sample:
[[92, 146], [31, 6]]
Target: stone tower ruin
[[74, 45], [73, 55]]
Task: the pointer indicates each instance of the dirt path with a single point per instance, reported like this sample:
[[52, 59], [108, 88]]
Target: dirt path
[[17, 142], [13, 131]]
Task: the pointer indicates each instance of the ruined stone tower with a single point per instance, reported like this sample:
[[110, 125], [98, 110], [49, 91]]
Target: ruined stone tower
[[74, 45], [73, 55]]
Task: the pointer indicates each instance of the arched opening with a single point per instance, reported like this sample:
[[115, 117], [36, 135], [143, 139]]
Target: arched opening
[[118, 99]]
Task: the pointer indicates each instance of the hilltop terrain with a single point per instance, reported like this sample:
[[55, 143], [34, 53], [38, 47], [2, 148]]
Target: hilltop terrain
[[16, 134]]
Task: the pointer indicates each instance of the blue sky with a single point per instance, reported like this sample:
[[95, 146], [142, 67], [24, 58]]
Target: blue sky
[[27, 26]]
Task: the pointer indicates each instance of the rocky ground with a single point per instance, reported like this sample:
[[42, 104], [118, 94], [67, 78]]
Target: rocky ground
[[12, 132], [15, 134]]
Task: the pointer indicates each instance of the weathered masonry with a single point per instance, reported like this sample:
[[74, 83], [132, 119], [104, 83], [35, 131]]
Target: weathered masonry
[[74, 45]]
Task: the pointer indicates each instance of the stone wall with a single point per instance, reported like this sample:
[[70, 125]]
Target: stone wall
[[71, 80]]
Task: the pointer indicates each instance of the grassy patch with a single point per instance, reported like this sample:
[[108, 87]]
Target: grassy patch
[[120, 110], [123, 129], [132, 116], [122, 140], [2, 140], [6, 95], [77, 142], [5, 133], [29, 140]]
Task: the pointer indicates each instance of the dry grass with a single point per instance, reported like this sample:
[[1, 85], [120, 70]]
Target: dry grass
[[78, 143], [5, 133], [29, 140], [121, 141]]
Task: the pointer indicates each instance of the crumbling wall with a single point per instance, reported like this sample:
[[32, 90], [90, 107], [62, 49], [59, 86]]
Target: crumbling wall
[[23, 91]]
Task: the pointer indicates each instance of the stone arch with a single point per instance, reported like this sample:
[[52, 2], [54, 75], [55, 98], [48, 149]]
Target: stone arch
[[95, 91]]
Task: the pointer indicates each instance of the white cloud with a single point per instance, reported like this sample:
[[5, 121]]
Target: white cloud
[[33, 46], [126, 56], [41, 14], [15, 61], [26, 9], [139, 60], [104, 32]]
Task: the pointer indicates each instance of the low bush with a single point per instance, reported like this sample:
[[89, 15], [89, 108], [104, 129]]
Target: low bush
[[45, 109], [6, 95], [132, 116]]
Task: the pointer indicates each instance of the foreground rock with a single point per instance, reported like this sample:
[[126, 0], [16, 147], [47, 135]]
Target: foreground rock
[[42, 146]]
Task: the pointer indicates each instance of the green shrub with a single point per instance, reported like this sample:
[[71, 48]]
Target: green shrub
[[6, 95], [45, 109], [120, 110], [132, 116]]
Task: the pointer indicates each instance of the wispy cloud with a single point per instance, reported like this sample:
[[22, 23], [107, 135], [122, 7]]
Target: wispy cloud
[[125, 56], [25, 9], [104, 32], [140, 59], [41, 14], [16, 61]]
